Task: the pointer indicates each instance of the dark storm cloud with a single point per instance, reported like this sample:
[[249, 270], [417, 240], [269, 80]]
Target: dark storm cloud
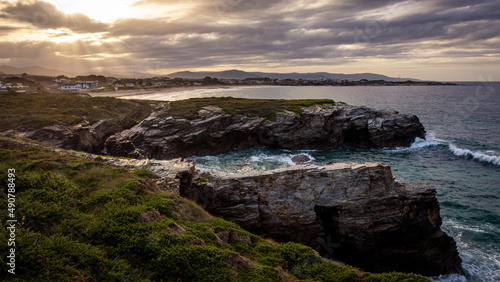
[[44, 15], [289, 33]]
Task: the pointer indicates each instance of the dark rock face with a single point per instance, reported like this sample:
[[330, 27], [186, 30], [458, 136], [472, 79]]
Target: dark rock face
[[82, 137], [213, 132], [352, 212]]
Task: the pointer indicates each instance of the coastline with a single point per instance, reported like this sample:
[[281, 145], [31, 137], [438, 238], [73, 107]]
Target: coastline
[[173, 93]]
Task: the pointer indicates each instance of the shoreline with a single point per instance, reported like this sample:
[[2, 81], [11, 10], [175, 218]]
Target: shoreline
[[142, 93]]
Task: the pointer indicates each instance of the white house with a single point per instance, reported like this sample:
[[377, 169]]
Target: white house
[[87, 85], [80, 86], [71, 87], [3, 88]]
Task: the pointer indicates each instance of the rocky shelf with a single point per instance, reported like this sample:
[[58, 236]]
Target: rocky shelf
[[353, 212], [213, 130]]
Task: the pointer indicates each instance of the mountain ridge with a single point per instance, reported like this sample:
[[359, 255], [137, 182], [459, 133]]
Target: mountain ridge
[[227, 74], [239, 74], [34, 70]]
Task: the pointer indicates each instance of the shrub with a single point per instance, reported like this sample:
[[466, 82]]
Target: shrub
[[144, 173]]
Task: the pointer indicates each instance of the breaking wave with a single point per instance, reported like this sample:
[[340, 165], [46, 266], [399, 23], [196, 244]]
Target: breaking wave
[[431, 140], [487, 157]]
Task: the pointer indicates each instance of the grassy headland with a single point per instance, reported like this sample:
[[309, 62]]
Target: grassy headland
[[32, 111], [24, 112], [81, 220], [250, 107]]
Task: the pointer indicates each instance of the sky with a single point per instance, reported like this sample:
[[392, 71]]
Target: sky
[[445, 40]]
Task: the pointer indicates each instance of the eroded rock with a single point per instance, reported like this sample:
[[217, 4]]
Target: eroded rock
[[353, 212], [213, 132]]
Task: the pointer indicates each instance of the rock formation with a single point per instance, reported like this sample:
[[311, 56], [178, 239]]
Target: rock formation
[[213, 132], [356, 213], [81, 137], [352, 212], [301, 159]]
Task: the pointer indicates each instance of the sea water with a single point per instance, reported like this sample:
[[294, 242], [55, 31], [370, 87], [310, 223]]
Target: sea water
[[460, 156]]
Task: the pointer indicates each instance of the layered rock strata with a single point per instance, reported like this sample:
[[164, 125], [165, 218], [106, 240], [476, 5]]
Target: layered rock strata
[[214, 132], [353, 212]]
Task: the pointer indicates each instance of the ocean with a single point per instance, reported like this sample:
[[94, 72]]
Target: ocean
[[460, 155]]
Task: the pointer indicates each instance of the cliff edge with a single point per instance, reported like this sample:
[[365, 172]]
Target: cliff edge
[[214, 130], [353, 212]]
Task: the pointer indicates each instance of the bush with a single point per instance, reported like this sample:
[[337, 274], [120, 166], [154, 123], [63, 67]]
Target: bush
[[195, 263], [144, 173]]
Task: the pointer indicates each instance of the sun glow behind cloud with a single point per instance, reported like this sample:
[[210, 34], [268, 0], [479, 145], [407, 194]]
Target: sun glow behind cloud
[[259, 35], [102, 10]]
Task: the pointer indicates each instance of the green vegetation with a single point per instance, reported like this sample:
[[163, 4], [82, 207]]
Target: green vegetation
[[29, 112], [249, 107], [81, 220], [23, 80]]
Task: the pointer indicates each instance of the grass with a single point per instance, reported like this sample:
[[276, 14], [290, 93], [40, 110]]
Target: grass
[[249, 107], [82, 220], [32, 111]]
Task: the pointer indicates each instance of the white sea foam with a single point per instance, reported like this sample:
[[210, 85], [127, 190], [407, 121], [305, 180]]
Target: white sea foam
[[477, 155], [430, 140], [477, 229], [283, 158], [419, 143], [424, 143], [479, 263], [450, 278]]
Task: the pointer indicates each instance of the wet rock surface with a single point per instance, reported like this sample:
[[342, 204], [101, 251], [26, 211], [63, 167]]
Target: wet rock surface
[[300, 159]]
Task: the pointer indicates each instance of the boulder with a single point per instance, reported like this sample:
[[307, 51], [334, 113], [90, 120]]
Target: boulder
[[300, 159]]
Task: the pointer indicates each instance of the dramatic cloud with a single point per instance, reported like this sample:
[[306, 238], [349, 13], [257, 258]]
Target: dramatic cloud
[[294, 35], [43, 15]]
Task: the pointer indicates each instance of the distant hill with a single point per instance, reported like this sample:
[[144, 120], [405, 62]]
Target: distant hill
[[35, 70], [228, 74], [238, 74]]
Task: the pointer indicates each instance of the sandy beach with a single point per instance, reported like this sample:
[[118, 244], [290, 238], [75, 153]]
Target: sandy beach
[[168, 94]]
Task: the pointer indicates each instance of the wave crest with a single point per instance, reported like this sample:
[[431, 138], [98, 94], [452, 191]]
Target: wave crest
[[431, 140], [476, 155]]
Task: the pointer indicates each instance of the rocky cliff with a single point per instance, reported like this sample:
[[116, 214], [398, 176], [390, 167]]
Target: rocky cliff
[[80, 137], [356, 213], [213, 131], [353, 212]]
